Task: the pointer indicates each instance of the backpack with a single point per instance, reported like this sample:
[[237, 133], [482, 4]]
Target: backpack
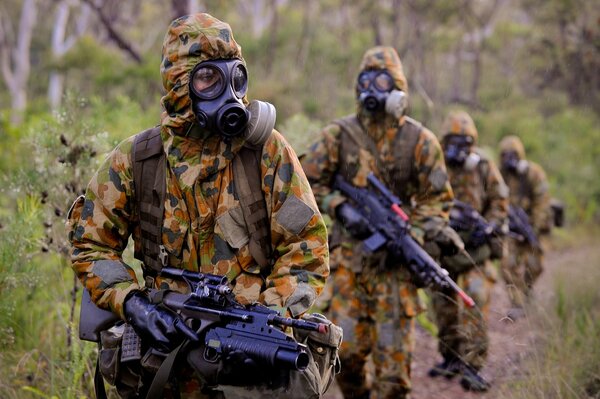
[[149, 168]]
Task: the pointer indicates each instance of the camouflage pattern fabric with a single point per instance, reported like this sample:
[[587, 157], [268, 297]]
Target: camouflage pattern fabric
[[462, 330], [203, 228], [522, 265], [373, 298]]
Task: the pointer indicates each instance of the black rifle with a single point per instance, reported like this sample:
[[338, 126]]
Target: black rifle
[[520, 228], [390, 226], [233, 337], [463, 217], [227, 326]]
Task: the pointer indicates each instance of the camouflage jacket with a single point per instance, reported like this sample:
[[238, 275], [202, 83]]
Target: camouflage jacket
[[203, 227], [483, 188], [529, 190]]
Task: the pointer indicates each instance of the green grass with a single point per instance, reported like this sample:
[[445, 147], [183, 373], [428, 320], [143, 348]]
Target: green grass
[[565, 363]]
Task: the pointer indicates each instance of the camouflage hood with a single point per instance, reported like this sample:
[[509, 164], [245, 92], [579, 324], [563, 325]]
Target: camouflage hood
[[459, 123], [512, 143], [381, 57], [190, 40]]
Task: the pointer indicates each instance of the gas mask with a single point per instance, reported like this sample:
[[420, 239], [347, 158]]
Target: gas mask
[[377, 93], [457, 151], [217, 88], [511, 162]]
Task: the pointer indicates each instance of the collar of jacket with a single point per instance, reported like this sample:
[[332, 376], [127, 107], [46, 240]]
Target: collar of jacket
[[378, 126], [195, 157]]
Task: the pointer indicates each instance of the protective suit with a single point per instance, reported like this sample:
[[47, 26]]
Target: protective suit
[[373, 296], [203, 229], [476, 181], [528, 186]]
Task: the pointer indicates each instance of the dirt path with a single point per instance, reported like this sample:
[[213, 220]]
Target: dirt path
[[510, 342]]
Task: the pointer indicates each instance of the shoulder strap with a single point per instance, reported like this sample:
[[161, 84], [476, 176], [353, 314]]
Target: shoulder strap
[[149, 179], [483, 168], [248, 186], [351, 125], [404, 148]]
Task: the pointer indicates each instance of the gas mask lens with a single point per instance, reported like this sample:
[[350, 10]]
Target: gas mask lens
[[381, 80], [208, 81], [239, 80]]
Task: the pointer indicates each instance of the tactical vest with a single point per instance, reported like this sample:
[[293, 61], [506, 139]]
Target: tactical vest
[[150, 186], [398, 175]]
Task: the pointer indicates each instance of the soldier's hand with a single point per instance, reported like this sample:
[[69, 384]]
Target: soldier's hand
[[356, 224], [478, 238], [161, 328]]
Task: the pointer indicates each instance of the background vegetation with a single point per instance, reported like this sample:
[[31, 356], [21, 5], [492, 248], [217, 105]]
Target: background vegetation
[[80, 75]]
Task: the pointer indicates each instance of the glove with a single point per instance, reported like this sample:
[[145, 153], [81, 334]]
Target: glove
[[449, 241], [161, 328], [477, 238], [355, 223]]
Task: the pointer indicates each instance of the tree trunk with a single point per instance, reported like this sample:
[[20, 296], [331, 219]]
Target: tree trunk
[[55, 90], [15, 62], [305, 36], [272, 49], [61, 44]]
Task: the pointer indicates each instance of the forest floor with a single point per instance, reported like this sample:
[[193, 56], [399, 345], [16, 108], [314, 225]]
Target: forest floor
[[512, 343]]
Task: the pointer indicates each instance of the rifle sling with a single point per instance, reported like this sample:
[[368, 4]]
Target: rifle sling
[[98, 379], [150, 186], [252, 202], [162, 375]]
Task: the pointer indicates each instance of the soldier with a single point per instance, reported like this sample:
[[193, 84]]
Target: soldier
[[374, 298], [526, 180], [477, 182], [206, 125]]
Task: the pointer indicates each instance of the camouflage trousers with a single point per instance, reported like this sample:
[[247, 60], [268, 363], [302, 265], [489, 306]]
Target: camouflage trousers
[[521, 267], [376, 310], [462, 331]]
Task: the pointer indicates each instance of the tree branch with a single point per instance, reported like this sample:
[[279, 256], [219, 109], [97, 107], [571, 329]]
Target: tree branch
[[113, 34]]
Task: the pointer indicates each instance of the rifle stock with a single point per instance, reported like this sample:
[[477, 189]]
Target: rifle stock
[[92, 319]]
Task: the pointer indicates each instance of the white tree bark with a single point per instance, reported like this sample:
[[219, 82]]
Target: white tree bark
[[14, 58], [61, 44]]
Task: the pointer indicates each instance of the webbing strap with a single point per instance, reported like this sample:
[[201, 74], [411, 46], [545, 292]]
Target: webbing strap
[[149, 168], [404, 153], [162, 375], [252, 202], [98, 380]]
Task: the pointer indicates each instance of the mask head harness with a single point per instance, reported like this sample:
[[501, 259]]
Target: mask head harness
[[457, 151], [376, 93], [216, 89]]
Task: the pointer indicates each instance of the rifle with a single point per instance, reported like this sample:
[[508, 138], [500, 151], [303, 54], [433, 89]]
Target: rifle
[[229, 326], [390, 226], [463, 217], [520, 228], [235, 339]]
